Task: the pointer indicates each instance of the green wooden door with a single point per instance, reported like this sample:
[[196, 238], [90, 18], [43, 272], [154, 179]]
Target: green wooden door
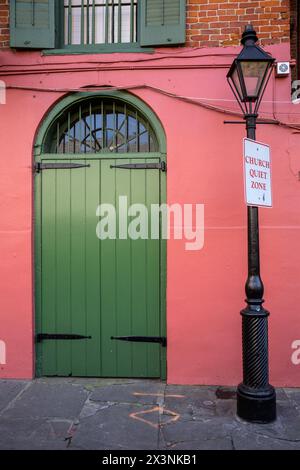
[[92, 287]]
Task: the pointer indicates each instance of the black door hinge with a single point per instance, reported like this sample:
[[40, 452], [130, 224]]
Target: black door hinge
[[142, 166], [143, 339], [39, 166], [42, 336]]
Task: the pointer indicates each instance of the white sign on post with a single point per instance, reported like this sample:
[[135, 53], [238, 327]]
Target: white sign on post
[[257, 174]]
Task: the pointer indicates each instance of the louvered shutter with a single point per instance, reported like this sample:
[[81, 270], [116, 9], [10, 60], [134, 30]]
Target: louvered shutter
[[162, 22], [32, 23]]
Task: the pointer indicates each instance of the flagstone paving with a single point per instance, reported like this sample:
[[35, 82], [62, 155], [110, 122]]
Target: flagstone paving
[[108, 414]]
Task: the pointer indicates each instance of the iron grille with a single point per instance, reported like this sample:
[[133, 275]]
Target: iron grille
[[100, 21], [101, 126]]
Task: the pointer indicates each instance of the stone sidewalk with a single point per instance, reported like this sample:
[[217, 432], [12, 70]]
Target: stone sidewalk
[[136, 414]]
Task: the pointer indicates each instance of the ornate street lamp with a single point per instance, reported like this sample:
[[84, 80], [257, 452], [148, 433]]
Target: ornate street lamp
[[256, 399]]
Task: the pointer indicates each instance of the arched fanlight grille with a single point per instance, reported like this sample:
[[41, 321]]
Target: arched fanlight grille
[[100, 126]]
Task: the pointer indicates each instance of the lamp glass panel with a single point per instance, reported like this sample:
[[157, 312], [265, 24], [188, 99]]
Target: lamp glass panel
[[237, 84], [253, 74]]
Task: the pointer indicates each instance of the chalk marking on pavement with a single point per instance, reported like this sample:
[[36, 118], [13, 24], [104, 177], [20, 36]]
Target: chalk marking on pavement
[[161, 410]]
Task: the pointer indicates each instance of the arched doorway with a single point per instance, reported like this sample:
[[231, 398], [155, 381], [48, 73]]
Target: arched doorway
[[100, 293]]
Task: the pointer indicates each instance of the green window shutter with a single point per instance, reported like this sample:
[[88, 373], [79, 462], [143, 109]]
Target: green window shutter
[[162, 22], [32, 23]]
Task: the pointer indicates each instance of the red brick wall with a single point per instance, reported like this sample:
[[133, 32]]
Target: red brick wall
[[216, 22], [221, 22], [4, 23]]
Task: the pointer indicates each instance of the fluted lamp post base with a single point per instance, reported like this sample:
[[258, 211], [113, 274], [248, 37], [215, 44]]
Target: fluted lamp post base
[[256, 398]]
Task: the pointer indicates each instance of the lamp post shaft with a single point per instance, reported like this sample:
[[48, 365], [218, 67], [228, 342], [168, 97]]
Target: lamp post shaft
[[254, 285], [256, 398]]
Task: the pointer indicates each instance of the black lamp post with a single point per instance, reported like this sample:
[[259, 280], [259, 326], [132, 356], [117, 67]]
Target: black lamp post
[[256, 399]]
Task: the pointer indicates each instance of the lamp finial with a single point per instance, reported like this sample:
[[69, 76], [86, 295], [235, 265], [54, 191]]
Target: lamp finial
[[249, 36]]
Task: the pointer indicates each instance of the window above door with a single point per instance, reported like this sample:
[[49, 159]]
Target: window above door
[[101, 125], [88, 26]]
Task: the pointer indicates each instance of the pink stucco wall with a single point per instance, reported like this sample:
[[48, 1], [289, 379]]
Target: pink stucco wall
[[205, 289]]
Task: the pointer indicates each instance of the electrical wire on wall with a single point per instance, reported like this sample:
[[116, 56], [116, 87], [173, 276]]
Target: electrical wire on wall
[[159, 56], [201, 101]]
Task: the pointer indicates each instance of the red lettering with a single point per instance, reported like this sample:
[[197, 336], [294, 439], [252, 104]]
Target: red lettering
[[256, 185], [257, 162]]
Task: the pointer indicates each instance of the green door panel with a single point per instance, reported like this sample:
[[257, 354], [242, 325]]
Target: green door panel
[[92, 287]]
